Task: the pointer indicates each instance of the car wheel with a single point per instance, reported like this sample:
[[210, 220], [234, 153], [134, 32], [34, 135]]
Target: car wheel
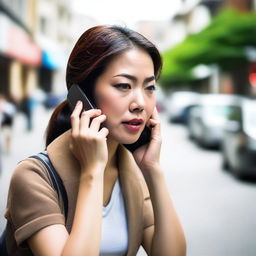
[[239, 169], [190, 130], [190, 135], [239, 174], [225, 164]]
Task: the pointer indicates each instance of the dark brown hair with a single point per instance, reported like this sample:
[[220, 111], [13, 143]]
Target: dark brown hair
[[93, 51]]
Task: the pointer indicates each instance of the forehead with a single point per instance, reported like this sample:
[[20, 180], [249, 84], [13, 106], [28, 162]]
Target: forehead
[[131, 60]]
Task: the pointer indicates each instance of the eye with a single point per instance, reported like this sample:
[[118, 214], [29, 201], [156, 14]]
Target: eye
[[151, 88], [123, 86]]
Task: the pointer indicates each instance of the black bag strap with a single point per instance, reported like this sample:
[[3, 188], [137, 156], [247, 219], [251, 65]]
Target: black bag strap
[[56, 180], [3, 249]]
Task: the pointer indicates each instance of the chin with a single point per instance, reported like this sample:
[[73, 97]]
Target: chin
[[126, 140]]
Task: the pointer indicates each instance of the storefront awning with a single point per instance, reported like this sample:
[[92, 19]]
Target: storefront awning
[[21, 47], [15, 42], [53, 59]]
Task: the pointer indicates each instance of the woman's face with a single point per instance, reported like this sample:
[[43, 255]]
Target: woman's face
[[125, 93]]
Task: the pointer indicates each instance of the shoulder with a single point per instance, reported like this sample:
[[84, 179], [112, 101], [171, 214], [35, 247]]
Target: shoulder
[[29, 181], [28, 171], [32, 201]]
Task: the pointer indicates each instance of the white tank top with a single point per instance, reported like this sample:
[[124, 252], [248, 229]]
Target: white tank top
[[114, 237]]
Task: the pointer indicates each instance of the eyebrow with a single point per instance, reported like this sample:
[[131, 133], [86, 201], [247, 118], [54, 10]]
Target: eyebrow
[[134, 79]]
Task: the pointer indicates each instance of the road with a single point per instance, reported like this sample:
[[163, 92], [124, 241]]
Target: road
[[216, 210]]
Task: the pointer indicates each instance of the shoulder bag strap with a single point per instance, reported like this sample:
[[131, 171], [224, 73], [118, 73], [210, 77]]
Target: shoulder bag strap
[[56, 180], [3, 249]]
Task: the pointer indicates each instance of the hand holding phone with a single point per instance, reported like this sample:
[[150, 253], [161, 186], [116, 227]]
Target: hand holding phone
[[88, 138]]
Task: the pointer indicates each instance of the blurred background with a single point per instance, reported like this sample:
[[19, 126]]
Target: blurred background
[[206, 99]]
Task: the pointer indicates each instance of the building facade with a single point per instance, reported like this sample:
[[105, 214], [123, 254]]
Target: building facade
[[20, 54], [35, 41], [53, 33]]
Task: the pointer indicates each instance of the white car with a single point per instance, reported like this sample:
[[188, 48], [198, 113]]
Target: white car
[[207, 119], [239, 143], [179, 104]]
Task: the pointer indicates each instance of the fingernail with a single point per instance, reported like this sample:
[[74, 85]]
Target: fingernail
[[79, 102]]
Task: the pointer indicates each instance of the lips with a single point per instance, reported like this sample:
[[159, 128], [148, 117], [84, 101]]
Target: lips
[[134, 121], [133, 125]]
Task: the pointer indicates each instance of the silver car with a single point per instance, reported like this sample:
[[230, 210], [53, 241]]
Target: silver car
[[178, 105], [239, 143], [206, 120]]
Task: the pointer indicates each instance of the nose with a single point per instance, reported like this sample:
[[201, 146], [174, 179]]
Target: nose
[[138, 102]]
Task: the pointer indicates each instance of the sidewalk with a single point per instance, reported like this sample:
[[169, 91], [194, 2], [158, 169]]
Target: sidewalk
[[24, 144]]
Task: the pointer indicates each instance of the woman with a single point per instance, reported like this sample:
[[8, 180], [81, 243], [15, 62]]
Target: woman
[[118, 200]]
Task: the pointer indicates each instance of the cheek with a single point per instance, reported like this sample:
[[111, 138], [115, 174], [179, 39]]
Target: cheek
[[109, 105], [150, 107]]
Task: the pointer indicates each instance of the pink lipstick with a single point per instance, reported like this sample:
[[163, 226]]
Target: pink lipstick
[[133, 125]]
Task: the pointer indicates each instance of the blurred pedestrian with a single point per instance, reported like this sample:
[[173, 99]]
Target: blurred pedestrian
[[7, 114], [117, 196], [27, 107]]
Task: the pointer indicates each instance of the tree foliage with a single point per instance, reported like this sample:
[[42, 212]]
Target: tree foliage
[[222, 42]]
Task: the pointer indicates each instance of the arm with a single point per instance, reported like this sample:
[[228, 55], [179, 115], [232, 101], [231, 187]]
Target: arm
[[88, 145], [166, 236], [85, 233]]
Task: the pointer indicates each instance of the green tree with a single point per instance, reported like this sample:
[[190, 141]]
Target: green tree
[[222, 42]]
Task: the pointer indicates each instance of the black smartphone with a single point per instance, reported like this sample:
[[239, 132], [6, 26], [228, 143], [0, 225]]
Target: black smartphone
[[75, 93]]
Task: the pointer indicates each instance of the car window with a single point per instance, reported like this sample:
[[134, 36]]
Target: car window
[[219, 114], [235, 114]]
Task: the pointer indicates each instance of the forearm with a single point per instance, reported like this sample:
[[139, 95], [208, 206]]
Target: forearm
[[168, 236], [85, 235]]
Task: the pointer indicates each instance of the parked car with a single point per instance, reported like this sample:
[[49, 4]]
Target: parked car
[[239, 143], [178, 105], [206, 120]]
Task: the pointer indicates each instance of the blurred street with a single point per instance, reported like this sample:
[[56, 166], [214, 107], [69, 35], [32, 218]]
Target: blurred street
[[23, 145], [217, 211], [206, 96]]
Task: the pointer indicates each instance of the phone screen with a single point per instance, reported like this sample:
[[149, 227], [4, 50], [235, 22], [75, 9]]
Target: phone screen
[[75, 93]]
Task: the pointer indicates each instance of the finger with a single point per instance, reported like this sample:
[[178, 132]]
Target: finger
[[75, 117], [87, 116], [154, 116], [155, 128], [104, 132], [96, 122]]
